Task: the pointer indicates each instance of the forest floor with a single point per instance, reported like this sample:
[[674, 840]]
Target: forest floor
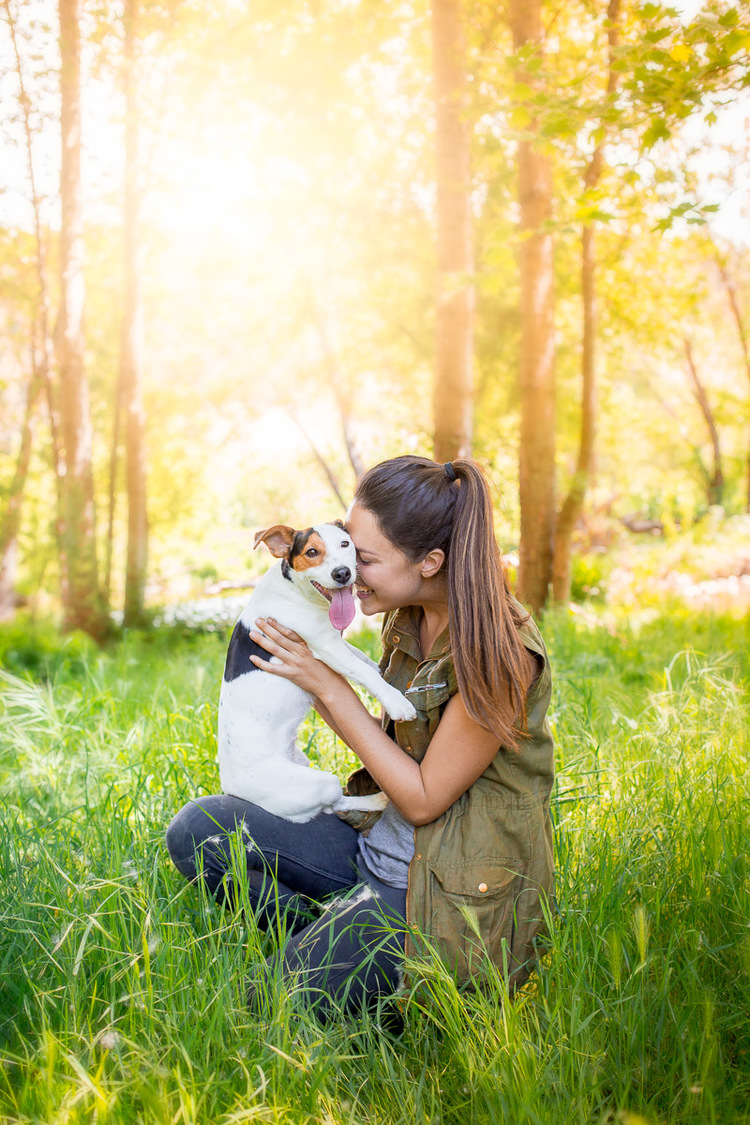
[[122, 987]]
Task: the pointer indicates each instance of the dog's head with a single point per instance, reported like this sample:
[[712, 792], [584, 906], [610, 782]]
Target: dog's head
[[322, 563]]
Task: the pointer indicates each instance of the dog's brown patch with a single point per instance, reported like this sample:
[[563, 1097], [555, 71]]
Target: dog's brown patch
[[300, 561]]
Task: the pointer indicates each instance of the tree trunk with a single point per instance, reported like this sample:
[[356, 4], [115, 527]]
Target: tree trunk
[[328, 471], [81, 604], [715, 480], [40, 362], [572, 506], [114, 458], [11, 518], [137, 550], [573, 503], [736, 313], [341, 392], [537, 360], [454, 374]]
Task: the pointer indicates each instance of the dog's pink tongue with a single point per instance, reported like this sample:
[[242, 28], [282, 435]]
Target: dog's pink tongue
[[342, 609]]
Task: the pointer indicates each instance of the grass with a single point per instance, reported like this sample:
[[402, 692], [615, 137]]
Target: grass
[[121, 987]]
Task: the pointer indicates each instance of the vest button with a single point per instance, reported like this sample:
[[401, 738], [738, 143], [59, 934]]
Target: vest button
[[419, 856], [395, 639], [482, 888]]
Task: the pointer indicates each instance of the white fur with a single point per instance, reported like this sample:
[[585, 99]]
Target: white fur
[[259, 713]]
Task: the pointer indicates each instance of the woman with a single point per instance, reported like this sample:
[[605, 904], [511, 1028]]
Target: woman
[[468, 780]]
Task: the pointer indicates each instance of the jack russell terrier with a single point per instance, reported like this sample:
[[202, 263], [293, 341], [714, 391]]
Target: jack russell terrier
[[310, 591]]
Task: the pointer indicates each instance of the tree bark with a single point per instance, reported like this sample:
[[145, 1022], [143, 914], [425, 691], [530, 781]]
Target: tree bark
[[454, 369], [40, 362], [137, 549], [714, 480], [573, 504], [341, 393], [329, 473], [537, 360], [81, 604], [737, 314], [11, 517]]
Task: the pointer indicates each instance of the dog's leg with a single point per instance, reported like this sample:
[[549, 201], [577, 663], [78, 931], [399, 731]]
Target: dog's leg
[[362, 656], [374, 801], [338, 657]]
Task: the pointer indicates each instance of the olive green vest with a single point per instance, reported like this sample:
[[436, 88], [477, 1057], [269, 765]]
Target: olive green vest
[[481, 871]]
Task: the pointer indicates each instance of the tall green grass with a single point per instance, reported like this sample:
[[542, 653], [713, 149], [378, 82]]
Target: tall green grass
[[122, 988]]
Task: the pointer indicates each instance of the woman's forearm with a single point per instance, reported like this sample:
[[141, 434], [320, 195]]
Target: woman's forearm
[[398, 775]]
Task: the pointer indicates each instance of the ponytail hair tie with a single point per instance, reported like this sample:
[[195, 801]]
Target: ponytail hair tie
[[450, 472]]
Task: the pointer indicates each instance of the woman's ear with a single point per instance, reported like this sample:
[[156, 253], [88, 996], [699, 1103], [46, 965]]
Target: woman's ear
[[432, 562]]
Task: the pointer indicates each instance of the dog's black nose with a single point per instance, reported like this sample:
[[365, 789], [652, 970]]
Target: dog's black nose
[[342, 575]]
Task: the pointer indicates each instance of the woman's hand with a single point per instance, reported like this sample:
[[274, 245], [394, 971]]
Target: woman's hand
[[297, 663]]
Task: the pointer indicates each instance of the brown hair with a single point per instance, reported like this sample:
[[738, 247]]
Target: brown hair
[[422, 505]]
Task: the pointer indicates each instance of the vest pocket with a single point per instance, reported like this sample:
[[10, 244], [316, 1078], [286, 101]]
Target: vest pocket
[[471, 912], [428, 697]]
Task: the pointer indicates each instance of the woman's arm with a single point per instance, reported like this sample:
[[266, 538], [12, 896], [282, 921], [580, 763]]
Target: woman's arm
[[458, 754], [421, 791], [327, 718]]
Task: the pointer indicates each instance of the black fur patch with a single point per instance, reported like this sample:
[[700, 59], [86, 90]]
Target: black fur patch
[[298, 544], [241, 648]]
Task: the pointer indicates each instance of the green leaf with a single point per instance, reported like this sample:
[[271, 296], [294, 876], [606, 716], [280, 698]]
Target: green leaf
[[736, 41], [520, 117], [521, 92], [657, 131]]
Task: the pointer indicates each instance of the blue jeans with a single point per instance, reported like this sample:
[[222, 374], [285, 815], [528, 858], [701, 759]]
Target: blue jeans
[[345, 927]]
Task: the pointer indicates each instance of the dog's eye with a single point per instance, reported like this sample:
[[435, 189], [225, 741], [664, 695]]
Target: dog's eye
[[312, 553], [345, 543]]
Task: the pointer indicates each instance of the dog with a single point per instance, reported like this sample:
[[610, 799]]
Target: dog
[[310, 591]]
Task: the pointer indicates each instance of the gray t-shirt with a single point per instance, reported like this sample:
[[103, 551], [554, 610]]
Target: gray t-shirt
[[388, 848]]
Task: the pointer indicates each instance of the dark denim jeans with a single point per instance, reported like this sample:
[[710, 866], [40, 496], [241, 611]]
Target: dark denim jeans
[[345, 927]]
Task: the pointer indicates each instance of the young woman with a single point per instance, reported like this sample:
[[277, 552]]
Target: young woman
[[468, 780]]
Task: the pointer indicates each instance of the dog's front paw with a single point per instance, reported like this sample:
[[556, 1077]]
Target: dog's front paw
[[399, 707]]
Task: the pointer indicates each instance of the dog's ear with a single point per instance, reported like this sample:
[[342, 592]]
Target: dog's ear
[[338, 523], [278, 539]]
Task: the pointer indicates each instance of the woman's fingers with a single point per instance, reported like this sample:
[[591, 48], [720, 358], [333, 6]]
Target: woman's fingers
[[270, 624]]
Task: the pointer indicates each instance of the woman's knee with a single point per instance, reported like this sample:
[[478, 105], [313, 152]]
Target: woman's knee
[[196, 822], [350, 958]]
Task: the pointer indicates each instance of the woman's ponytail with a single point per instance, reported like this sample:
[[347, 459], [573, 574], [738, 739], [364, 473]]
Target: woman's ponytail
[[488, 654]]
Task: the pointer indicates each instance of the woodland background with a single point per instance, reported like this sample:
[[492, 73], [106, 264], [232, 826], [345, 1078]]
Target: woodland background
[[247, 250]]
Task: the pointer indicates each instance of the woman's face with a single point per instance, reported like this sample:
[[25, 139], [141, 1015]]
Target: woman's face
[[386, 578]]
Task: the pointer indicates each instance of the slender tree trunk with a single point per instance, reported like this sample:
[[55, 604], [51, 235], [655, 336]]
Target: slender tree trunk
[[714, 480], [329, 473], [537, 361], [737, 314], [337, 382], [11, 517], [114, 458], [82, 608], [137, 550], [572, 505], [454, 372], [40, 360]]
